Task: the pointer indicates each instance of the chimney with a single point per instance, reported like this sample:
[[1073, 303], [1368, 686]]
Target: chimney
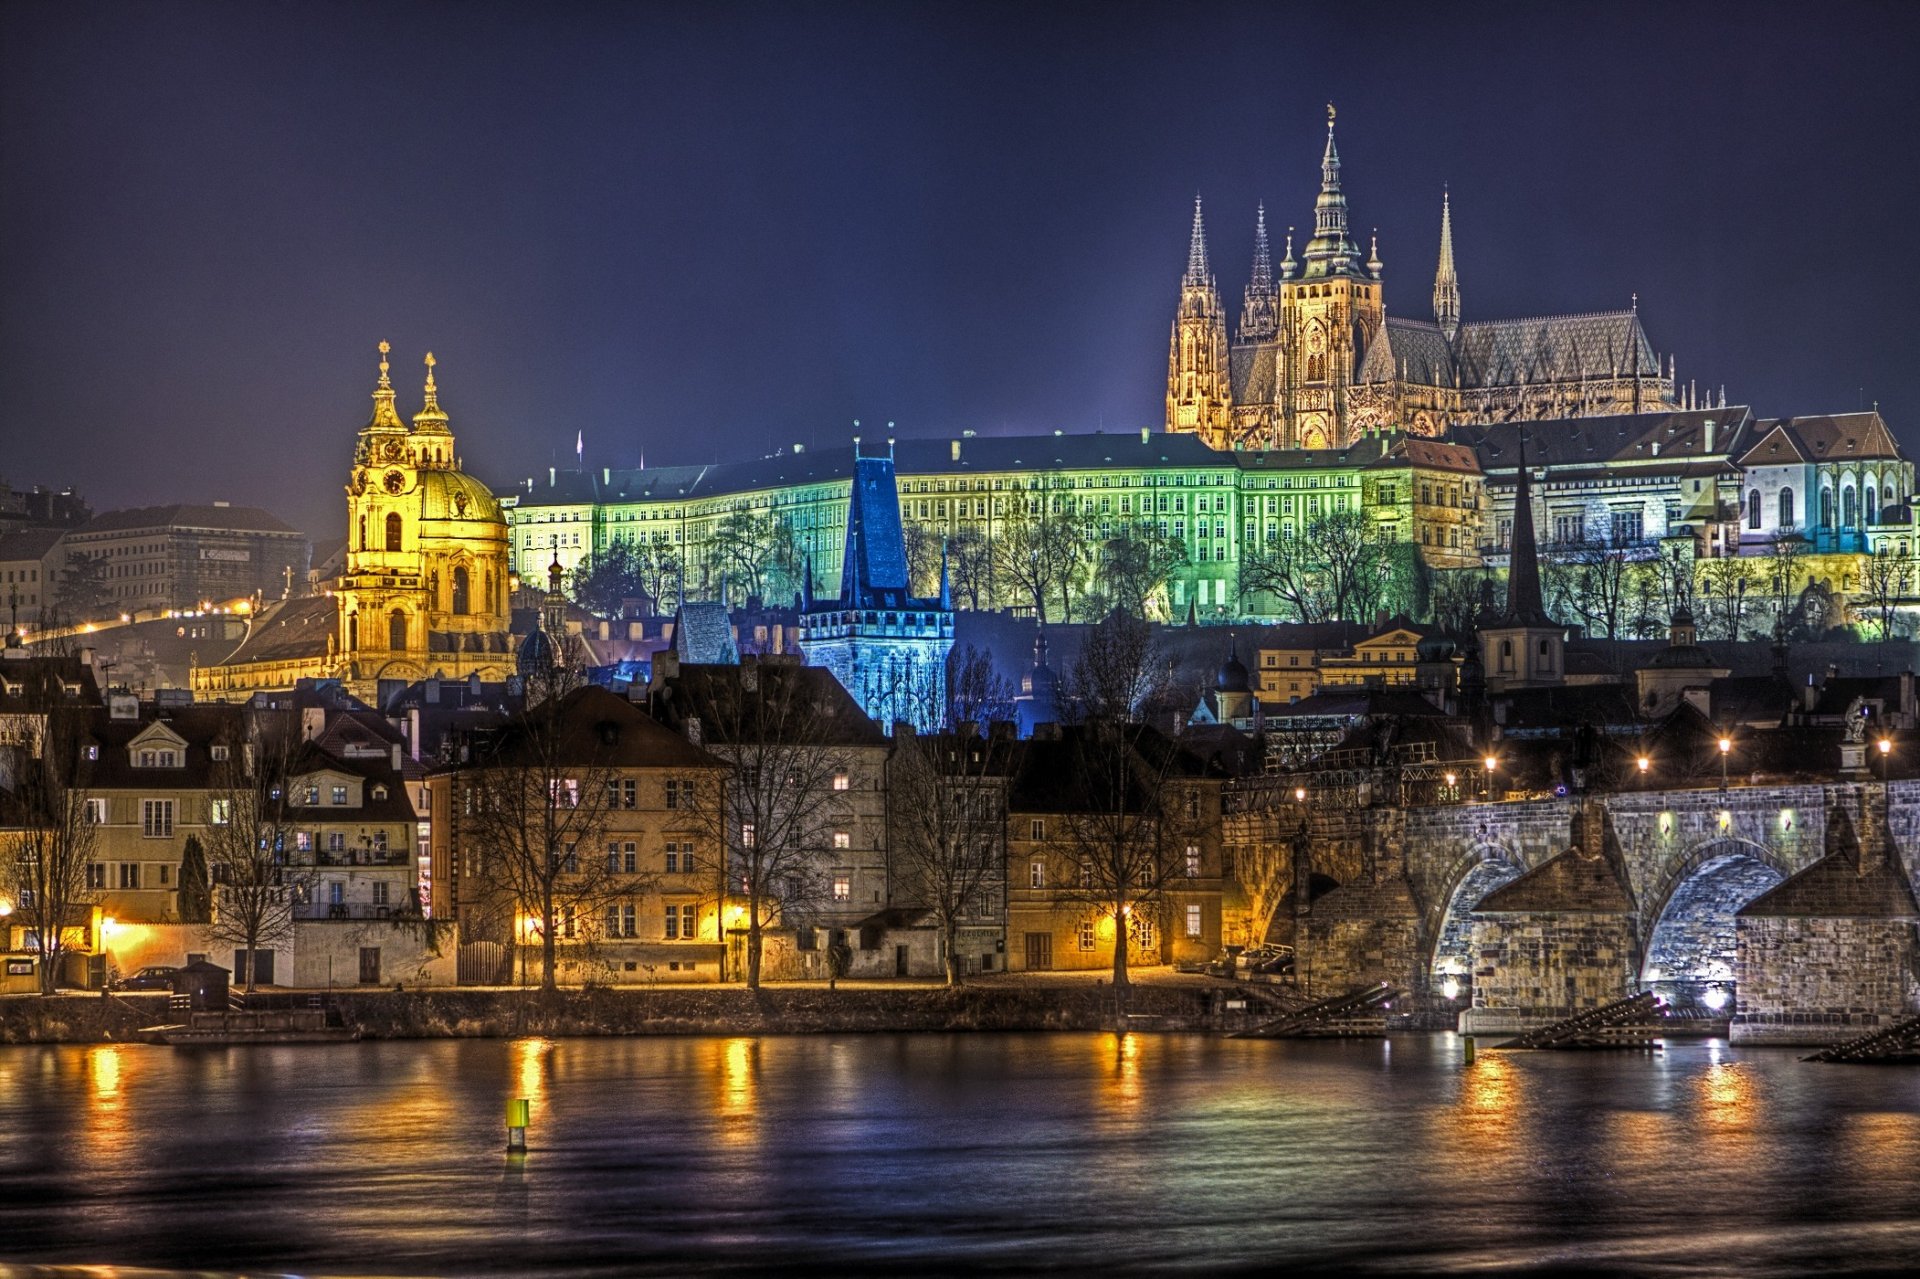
[[1145, 433], [395, 755], [1707, 431], [606, 475], [956, 450], [550, 477], [693, 729]]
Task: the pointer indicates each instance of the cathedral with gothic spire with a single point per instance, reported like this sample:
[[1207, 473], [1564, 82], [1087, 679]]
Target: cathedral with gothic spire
[[1317, 363]]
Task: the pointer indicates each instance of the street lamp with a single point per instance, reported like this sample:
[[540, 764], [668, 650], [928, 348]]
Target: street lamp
[[1452, 793], [1492, 763], [1726, 748], [1886, 751], [1299, 794]]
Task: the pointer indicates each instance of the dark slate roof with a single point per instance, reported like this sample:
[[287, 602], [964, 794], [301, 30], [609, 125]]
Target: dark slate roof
[[597, 729], [730, 713], [1251, 372], [1663, 442], [1780, 441], [1839, 886], [979, 454], [1417, 347], [1074, 772], [247, 519], [1601, 705], [703, 635], [1553, 348], [1576, 882], [288, 631], [29, 543], [46, 680], [873, 568], [1351, 703], [201, 726]]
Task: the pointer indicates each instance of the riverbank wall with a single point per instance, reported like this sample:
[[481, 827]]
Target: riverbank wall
[[463, 1014]]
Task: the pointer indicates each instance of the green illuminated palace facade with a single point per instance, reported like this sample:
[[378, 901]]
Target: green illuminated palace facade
[[1424, 493]]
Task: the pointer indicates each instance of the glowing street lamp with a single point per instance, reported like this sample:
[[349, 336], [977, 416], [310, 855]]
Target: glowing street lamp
[[1886, 751], [1492, 763], [1643, 763], [1299, 794], [1726, 748]]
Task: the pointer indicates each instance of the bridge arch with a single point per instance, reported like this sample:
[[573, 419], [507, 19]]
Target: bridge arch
[[1482, 867], [1687, 920]]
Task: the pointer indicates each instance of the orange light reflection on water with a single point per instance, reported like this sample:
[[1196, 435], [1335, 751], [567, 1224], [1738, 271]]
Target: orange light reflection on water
[[736, 1100]]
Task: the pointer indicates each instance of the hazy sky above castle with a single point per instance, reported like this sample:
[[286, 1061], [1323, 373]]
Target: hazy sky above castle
[[706, 231]]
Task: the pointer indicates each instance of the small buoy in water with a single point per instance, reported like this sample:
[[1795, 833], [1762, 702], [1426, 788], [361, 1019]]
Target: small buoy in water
[[519, 1110], [1466, 1045]]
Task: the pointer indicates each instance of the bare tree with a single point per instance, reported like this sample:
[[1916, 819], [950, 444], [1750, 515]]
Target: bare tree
[[1458, 598], [626, 569], [947, 798], [1133, 568], [1883, 581], [1119, 672], [759, 550], [1724, 583], [49, 837], [1042, 551], [255, 886], [976, 691], [788, 738], [1588, 585], [1782, 570], [923, 544], [1337, 568], [535, 808], [1117, 845], [970, 568]]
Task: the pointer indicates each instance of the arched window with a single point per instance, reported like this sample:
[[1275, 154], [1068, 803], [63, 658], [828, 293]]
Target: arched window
[[1826, 508], [397, 630], [1870, 510], [1316, 368], [1849, 508], [1786, 509], [393, 531], [363, 532], [353, 632], [1753, 509], [460, 604], [493, 605]]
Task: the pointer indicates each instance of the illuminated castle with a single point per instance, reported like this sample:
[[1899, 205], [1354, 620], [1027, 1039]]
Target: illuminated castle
[[1317, 363]]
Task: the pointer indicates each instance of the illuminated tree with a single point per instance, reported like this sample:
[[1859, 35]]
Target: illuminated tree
[[47, 833]]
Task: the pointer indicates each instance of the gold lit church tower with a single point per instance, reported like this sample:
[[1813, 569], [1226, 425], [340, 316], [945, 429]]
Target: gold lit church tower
[[1197, 399], [1317, 362], [424, 591]]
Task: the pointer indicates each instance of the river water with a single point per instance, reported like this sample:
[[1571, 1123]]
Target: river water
[[954, 1153]]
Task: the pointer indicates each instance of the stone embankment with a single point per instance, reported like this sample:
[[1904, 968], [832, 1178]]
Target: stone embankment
[[462, 1013]]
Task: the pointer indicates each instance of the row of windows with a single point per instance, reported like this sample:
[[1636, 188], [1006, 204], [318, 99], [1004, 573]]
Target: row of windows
[[1037, 869]]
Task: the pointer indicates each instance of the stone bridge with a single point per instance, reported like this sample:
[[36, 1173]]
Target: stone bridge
[[1510, 914]]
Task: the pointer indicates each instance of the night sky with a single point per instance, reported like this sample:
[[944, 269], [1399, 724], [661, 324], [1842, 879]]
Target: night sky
[[706, 231]]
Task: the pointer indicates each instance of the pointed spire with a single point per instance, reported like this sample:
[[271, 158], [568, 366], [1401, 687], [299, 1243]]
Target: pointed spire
[[1524, 601], [1331, 251], [1446, 284], [1198, 273], [1260, 314], [1262, 254], [1287, 264], [1373, 255], [384, 414], [430, 418]]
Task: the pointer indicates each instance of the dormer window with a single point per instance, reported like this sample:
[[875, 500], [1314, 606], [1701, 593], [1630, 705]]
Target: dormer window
[[379, 792], [158, 759], [311, 796], [339, 794], [220, 752]]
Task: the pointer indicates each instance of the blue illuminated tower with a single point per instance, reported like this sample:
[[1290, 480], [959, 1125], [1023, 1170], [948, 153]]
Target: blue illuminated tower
[[888, 648]]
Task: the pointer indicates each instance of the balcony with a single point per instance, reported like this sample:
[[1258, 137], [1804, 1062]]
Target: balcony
[[356, 857], [304, 911]]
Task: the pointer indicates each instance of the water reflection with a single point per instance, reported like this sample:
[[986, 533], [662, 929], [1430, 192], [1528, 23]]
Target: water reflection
[[940, 1153]]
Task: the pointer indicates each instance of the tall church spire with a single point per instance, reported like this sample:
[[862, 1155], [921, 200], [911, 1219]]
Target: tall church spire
[[1446, 285], [1260, 314], [1331, 251], [1198, 397], [1525, 606], [1198, 273]]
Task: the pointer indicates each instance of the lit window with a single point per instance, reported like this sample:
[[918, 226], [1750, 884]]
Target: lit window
[[1037, 874], [1193, 862], [96, 812], [1086, 934], [841, 839], [339, 795], [156, 818], [842, 888], [1193, 921], [746, 835]]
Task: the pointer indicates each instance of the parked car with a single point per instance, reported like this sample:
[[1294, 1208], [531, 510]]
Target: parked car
[[152, 977], [1254, 956]]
